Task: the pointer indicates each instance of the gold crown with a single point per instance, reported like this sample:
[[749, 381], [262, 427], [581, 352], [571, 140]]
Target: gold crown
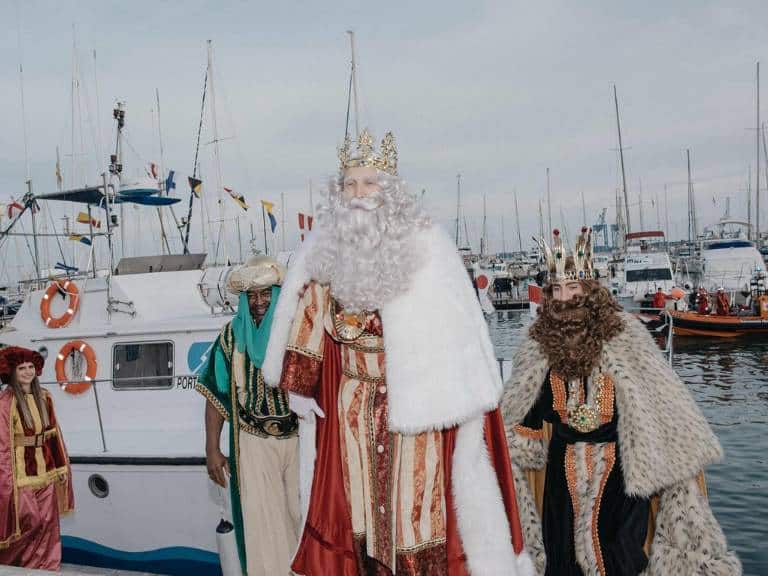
[[385, 160], [560, 266]]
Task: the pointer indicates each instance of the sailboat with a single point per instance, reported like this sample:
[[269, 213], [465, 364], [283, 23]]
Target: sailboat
[[124, 347]]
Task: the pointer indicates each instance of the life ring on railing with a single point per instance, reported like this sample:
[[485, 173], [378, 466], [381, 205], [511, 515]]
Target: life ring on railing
[[69, 288], [90, 367]]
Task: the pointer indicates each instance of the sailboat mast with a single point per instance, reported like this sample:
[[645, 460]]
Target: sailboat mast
[[621, 156], [640, 201], [666, 213], [216, 152], [692, 227], [458, 207], [757, 165], [517, 221], [583, 210], [549, 204], [354, 81], [484, 239]]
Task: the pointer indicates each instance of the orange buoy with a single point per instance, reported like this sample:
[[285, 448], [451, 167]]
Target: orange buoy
[[69, 288], [482, 282], [90, 370]]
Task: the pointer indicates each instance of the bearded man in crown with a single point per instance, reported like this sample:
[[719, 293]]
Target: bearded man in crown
[[379, 336], [606, 442]]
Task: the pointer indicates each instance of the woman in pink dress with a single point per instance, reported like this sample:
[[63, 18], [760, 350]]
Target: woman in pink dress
[[35, 476]]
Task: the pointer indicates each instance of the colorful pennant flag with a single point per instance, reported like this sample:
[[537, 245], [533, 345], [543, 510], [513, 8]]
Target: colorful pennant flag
[[196, 186], [14, 206], [268, 206], [82, 217], [169, 183], [80, 238], [239, 198]]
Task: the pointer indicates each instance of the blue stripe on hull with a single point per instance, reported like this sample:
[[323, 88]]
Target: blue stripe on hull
[[175, 561]]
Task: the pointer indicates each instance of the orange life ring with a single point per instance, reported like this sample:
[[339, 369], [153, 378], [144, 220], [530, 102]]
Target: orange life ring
[[68, 287], [90, 370]]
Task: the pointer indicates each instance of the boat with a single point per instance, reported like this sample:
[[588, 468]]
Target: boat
[[695, 324], [122, 374], [729, 257], [750, 321], [647, 268]]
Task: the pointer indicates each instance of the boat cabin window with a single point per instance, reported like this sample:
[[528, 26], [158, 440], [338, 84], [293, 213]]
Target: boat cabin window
[[140, 365], [649, 274]]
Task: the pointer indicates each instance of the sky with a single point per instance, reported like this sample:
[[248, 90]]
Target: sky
[[497, 91]]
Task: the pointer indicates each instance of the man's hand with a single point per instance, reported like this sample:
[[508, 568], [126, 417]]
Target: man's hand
[[218, 467], [303, 405]]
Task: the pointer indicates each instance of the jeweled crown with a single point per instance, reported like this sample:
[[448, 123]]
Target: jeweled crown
[[562, 266], [365, 155]]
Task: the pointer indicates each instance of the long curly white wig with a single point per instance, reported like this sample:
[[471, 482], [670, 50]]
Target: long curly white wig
[[365, 250]]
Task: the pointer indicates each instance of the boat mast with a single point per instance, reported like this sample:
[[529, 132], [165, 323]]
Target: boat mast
[[517, 220], [765, 155], [583, 210], [484, 238], [353, 81], [693, 231], [621, 156], [640, 201], [549, 204], [749, 201], [282, 220], [458, 207], [757, 169], [163, 235], [216, 155], [194, 175], [666, 214]]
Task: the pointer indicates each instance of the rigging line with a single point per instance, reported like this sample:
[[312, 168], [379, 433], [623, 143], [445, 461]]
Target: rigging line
[[58, 242], [349, 104], [200, 125], [194, 171]]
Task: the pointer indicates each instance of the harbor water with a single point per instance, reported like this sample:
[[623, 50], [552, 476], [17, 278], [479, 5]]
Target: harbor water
[[729, 380]]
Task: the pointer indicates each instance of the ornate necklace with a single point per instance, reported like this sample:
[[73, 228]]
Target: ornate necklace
[[349, 326], [585, 417]]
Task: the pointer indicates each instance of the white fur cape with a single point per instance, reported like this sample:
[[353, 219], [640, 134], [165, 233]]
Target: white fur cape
[[441, 372]]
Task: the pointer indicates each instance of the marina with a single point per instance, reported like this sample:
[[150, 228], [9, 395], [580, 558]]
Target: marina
[[115, 266]]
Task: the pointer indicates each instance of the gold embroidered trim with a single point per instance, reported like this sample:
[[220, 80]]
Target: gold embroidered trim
[[42, 480], [305, 352], [609, 456], [570, 478], [363, 378], [531, 433], [559, 397], [211, 397], [17, 530]]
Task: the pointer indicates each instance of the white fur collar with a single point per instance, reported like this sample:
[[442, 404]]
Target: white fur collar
[[663, 436], [440, 365]]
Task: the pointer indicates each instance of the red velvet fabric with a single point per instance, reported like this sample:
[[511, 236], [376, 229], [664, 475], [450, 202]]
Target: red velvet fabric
[[326, 545]]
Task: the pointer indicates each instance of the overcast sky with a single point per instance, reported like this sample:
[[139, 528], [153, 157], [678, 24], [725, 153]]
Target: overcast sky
[[497, 91]]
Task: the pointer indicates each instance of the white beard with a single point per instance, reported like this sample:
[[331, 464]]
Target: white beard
[[364, 252]]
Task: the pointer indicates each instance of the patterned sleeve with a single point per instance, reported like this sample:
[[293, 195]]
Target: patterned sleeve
[[304, 354], [214, 379]]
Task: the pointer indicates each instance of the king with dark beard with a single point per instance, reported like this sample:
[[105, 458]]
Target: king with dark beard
[[607, 445], [379, 340]]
